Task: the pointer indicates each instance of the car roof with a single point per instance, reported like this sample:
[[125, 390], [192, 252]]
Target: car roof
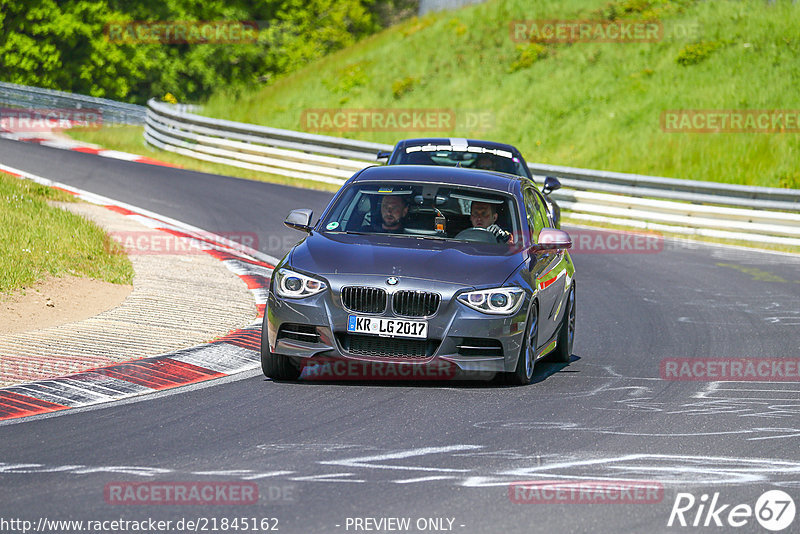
[[440, 174], [450, 140]]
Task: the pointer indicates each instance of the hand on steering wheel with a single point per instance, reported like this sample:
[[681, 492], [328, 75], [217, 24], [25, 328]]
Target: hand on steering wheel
[[501, 235]]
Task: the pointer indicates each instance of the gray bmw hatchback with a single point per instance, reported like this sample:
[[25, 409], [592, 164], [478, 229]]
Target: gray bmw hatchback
[[419, 267]]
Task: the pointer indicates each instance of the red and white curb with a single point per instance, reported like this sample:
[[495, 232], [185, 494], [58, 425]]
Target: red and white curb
[[47, 139], [237, 352]]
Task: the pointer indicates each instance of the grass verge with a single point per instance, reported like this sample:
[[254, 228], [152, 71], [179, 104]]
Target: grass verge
[[40, 240]]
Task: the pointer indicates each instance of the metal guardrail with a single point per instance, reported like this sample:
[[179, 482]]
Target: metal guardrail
[[672, 188], [21, 96], [654, 203], [300, 155]]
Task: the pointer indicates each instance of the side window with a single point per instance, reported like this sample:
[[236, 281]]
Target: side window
[[533, 210]]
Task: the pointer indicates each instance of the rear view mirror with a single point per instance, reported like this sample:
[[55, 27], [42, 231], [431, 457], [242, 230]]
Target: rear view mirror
[[550, 185], [383, 154], [299, 219], [552, 239]]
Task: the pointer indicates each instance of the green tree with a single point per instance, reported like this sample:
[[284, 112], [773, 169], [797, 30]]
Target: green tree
[[62, 44]]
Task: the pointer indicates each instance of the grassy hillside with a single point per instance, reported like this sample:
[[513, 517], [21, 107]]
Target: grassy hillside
[[593, 105]]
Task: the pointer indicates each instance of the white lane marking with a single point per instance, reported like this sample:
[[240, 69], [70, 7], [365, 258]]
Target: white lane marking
[[17, 468], [365, 461], [267, 475], [149, 222], [118, 155], [122, 469], [671, 468], [422, 479], [333, 477], [224, 472], [483, 482]]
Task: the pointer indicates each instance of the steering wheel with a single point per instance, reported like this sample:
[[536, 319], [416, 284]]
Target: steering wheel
[[478, 234]]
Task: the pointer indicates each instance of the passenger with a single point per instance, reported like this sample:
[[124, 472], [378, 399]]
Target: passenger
[[484, 162], [394, 208], [484, 215]]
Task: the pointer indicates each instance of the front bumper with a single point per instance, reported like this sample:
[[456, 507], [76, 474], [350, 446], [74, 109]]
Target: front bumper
[[457, 334]]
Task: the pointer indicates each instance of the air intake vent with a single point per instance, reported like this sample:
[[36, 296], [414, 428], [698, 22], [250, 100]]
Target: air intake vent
[[415, 303], [382, 347], [298, 332], [364, 299]]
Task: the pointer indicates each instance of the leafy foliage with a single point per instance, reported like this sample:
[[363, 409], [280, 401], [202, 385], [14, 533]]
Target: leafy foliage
[[403, 86], [64, 44], [527, 56], [695, 53]]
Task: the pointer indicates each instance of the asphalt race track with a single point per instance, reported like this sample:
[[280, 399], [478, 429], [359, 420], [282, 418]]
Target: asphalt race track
[[441, 454]]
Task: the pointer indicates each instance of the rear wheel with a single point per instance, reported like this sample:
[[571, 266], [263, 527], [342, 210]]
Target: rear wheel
[[275, 366], [523, 374], [566, 334]]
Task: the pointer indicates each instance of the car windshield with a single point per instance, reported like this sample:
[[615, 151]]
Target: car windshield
[[436, 211], [473, 157]]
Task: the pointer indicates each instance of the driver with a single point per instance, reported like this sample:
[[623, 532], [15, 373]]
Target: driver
[[484, 162], [394, 208], [484, 215]]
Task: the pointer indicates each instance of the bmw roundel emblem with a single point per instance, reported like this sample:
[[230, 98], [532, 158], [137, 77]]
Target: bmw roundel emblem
[[392, 281]]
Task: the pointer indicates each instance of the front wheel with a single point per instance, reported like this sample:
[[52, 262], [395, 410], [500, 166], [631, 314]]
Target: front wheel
[[523, 374], [275, 366], [566, 333]]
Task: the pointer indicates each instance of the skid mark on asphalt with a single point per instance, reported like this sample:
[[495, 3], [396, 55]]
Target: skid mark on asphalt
[[671, 470], [769, 400]]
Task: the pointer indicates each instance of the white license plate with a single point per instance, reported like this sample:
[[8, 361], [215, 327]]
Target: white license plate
[[387, 327]]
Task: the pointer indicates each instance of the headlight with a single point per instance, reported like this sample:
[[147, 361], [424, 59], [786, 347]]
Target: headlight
[[294, 285], [498, 301]]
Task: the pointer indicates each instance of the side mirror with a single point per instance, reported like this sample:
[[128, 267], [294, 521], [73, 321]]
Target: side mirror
[[383, 155], [299, 220], [552, 239], [550, 185]]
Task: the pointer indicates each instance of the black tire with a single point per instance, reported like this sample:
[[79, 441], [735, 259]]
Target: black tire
[[275, 366], [526, 360], [566, 333]]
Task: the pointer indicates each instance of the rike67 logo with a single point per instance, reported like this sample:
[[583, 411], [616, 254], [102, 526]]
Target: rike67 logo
[[774, 510]]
